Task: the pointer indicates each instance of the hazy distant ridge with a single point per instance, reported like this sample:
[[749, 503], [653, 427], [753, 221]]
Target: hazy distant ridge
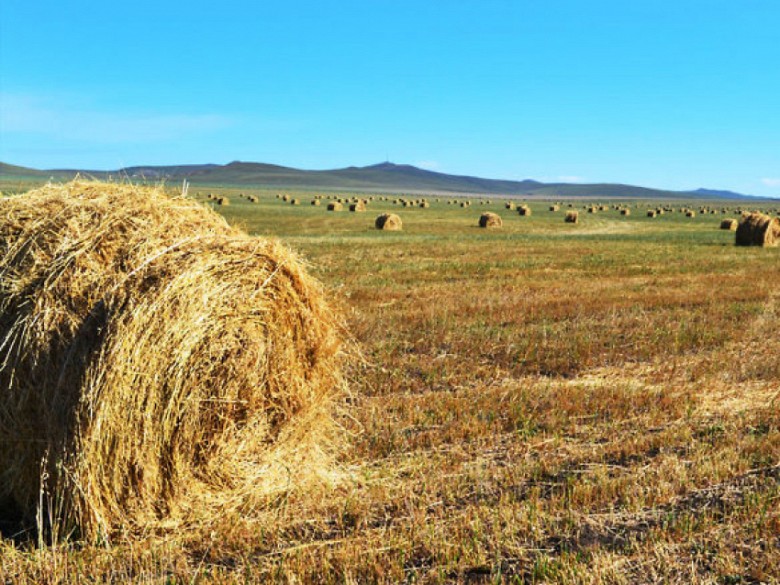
[[379, 177]]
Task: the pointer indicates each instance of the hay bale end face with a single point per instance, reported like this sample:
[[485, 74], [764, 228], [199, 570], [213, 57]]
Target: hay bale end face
[[729, 224], [490, 220], [524, 210], [136, 334], [335, 206], [388, 222], [359, 206], [572, 217], [758, 229]]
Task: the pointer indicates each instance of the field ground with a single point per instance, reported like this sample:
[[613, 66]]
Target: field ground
[[541, 403]]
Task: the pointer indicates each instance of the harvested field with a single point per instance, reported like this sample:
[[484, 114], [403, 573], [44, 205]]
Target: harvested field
[[540, 403]]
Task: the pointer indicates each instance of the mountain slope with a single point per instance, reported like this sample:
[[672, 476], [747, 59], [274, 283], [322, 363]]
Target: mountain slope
[[379, 177]]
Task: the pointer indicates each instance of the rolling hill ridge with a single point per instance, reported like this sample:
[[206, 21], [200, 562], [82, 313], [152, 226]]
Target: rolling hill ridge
[[386, 176]]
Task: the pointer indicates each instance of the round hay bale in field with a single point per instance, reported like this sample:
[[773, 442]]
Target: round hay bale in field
[[158, 368], [729, 224], [424, 204], [223, 201], [388, 222], [358, 206], [335, 206], [651, 213], [554, 207], [757, 229], [254, 199], [524, 210], [625, 211], [285, 197], [316, 202], [690, 213], [490, 220], [295, 201], [509, 205], [572, 216]]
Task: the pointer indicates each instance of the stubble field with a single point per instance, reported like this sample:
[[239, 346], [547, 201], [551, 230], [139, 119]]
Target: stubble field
[[540, 403]]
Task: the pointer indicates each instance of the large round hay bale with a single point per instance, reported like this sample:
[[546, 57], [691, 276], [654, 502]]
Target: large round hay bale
[[223, 201], [335, 206], [157, 367], [388, 222], [554, 207], [490, 220], [757, 229], [651, 213], [625, 211], [729, 224], [315, 202], [424, 204], [524, 210], [509, 205], [358, 206], [572, 216]]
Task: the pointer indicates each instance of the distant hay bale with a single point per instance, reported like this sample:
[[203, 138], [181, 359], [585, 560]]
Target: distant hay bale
[[490, 220], [223, 201], [316, 202], [285, 197], [554, 207], [651, 213], [509, 205], [358, 206], [253, 199], [388, 222], [335, 206], [625, 211], [424, 204], [729, 224], [758, 229], [159, 368], [524, 210], [593, 209], [572, 217], [295, 201], [690, 213]]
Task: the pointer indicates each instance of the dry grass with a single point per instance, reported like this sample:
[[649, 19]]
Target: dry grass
[[159, 368], [758, 229], [537, 404], [490, 220], [388, 222]]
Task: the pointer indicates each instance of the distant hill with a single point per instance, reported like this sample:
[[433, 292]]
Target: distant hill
[[388, 177]]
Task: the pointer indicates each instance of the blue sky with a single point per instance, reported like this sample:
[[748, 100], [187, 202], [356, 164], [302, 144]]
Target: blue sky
[[670, 94]]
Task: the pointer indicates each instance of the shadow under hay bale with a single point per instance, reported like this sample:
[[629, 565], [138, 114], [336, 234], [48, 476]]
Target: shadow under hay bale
[[757, 229], [159, 366], [490, 220], [388, 222]]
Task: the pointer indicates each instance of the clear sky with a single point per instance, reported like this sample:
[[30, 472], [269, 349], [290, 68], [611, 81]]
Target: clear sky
[[674, 94]]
